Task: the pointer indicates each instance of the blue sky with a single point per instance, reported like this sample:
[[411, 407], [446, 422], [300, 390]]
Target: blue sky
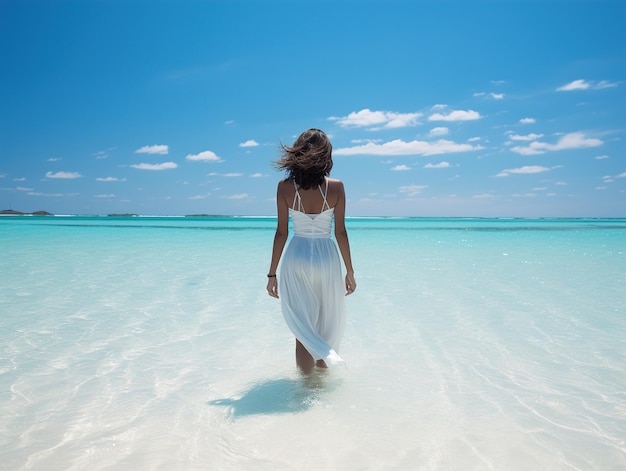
[[435, 108]]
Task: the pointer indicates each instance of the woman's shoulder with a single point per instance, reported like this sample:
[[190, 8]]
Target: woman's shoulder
[[334, 184], [285, 189], [285, 183]]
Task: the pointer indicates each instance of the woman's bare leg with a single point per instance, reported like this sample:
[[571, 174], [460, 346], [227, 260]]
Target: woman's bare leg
[[304, 360]]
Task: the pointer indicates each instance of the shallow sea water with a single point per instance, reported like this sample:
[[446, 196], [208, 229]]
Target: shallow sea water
[[150, 343]]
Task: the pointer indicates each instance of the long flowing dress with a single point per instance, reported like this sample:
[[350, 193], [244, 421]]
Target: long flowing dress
[[311, 285]]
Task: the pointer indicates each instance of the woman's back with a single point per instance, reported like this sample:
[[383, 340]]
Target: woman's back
[[312, 199]]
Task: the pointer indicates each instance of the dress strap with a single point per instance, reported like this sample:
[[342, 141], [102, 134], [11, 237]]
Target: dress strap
[[296, 197], [325, 204]]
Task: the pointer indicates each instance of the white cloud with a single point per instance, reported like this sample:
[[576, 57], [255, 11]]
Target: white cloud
[[402, 120], [200, 197], [21, 188], [585, 85], [621, 175], [257, 175], [457, 115], [439, 107], [156, 149], [400, 147], [206, 156], [64, 175], [439, 131], [495, 96], [602, 157], [365, 141], [105, 196], [439, 165], [574, 140], [528, 137], [412, 190], [20, 179], [485, 196], [527, 121], [605, 84], [45, 195], [54, 159], [162, 166], [400, 168], [232, 174], [528, 169], [474, 139], [378, 119], [249, 143], [527, 150], [575, 85], [239, 196], [110, 179]]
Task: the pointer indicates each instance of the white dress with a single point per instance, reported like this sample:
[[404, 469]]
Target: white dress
[[310, 283]]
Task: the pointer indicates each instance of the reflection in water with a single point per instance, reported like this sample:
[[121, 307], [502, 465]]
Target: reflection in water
[[279, 396]]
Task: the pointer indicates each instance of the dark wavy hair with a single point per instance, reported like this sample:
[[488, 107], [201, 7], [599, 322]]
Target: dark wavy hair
[[308, 160]]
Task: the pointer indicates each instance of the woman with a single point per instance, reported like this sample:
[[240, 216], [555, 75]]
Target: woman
[[310, 284]]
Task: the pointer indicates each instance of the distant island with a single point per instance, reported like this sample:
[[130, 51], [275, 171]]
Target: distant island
[[12, 212], [201, 215]]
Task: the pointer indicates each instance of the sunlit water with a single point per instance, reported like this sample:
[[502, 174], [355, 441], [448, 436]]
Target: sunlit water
[[150, 343]]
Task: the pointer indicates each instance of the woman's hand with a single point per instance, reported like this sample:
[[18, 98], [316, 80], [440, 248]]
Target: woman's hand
[[272, 287], [350, 283]]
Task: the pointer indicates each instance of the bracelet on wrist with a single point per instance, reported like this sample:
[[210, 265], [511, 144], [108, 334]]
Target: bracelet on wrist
[[271, 276]]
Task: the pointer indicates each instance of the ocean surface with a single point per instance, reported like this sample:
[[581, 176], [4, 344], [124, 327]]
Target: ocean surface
[[472, 344]]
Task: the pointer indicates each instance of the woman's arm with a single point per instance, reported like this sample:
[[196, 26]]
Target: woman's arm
[[341, 234], [280, 238]]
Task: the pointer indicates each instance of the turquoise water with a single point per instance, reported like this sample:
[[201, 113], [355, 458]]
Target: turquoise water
[[150, 343]]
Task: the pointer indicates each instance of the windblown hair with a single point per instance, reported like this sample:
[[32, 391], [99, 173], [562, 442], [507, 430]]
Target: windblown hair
[[308, 160]]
